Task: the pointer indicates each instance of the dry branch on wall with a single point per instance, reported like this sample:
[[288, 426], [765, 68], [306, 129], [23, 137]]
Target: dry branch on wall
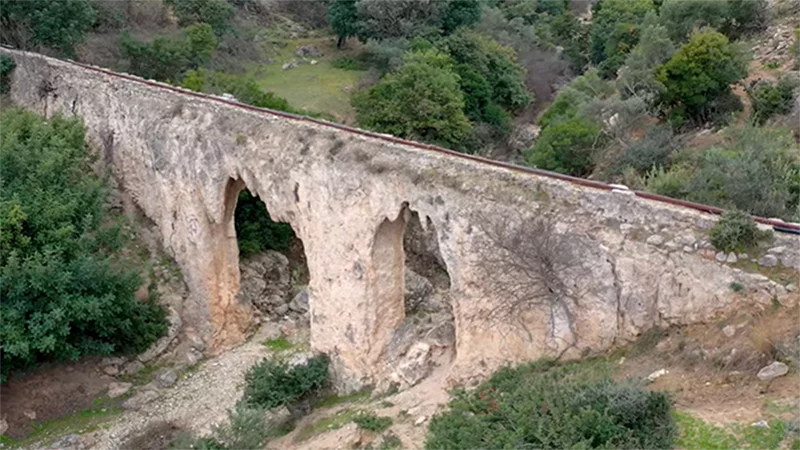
[[526, 265]]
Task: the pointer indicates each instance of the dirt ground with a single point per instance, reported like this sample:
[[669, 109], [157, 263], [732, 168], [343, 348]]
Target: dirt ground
[[49, 393]]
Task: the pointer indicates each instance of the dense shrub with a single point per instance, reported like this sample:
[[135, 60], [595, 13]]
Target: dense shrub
[[614, 28], [244, 89], [59, 25], [167, 59], [421, 101], [637, 77], [680, 17], [736, 231], [217, 13], [379, 19], [348, 63], [371, 422], [699, 75], [652, 150], [460, 13], [756, 171], [770, 99], [566, 147], [255, 230], [7, 65], [65, 291], [539, 406], [573, 97], [272, 382]]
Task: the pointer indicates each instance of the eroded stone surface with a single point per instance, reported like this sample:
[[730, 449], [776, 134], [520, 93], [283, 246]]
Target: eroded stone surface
[[183, 159]]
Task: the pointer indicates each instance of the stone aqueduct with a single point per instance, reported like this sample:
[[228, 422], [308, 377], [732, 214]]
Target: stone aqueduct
[[183, 157]]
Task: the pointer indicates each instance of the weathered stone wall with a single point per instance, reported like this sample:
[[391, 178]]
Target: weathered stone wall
[[183, 160]]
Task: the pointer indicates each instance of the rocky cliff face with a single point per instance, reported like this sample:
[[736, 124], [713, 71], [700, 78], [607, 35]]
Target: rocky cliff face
[[537, 266]]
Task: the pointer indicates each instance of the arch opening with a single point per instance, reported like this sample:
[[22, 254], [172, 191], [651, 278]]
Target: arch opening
[[271, 261], [425, 341]]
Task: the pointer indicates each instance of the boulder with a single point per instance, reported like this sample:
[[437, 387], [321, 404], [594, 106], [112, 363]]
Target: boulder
[[768, 261], [772, 371], [166, 377], [415, 365], [308, 50], [299, 303], [140, 399], [418, 292], [132, 368], [118, 389], [265, 282]]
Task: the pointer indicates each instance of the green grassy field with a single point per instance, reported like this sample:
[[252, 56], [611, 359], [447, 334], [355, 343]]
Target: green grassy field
[[316, 88]]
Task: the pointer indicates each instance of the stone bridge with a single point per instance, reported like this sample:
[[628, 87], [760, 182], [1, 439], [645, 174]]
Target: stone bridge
[[539, 264]]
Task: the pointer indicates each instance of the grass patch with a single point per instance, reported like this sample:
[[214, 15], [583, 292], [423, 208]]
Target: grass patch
[[779, 274], [371, 422], [143, 376], [331, 400], [696, 434], [278, 344], [320, 87], [80, 422], [333, 422]]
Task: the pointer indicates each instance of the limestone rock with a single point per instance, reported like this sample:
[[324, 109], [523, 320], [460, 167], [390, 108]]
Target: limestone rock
[[117, 389], [416, 364], [655, 240], [418, 292], [721, 256], [308, 50], [30, 414], [732, 258], [300, 301], [166, 377], [729, 331], [132, 368], [140, 399], [265, 282], [111, 370], [161, 345], [772, 371], [768, 261], [3, 426], [657, 374]]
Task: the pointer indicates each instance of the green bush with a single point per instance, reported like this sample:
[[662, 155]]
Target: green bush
[[421, 101], [217, 13], [59, 25], [680, 17], [65, 290], [699, 75], [244, 89], [770, 99], [652, 150], [167, 59], [371, 422], [255, 230], [613, 31], [348, 63], [541, 406], [7, 65], [272, 382], [567, 147], [736, 231], [755, 171]]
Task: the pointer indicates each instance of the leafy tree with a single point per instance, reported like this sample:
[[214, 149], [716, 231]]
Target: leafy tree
[[572, 98], [255, 230], [167, 59], [699, 73], [770, 99], [7, 65], [422, 100], [566, 147], [217, 13], [65, 291], [746, 17], [637, 77], [382, 19], [460, 13], [60, 25], [342, 16], [490, 78], [680, 17], [614, 28]]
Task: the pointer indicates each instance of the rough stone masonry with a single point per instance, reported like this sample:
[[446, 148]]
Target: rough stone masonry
[[606, 265]]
